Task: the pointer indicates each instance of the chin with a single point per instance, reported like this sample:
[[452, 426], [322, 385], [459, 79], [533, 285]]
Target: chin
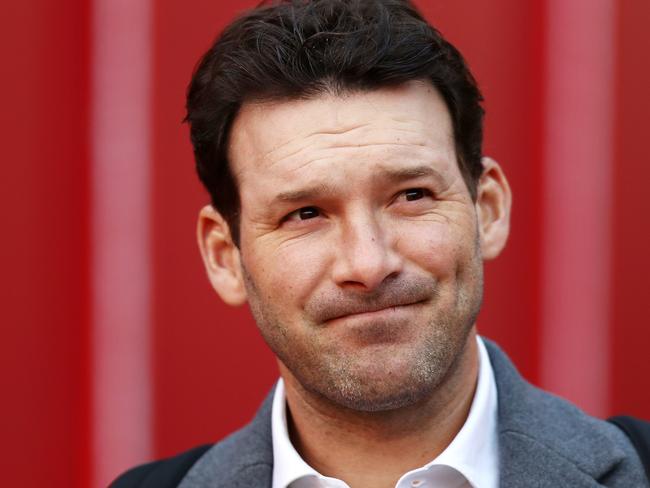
[[368, 397], [380, 383]]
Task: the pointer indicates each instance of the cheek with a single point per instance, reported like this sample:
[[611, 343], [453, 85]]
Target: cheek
[[289, 272], [434, 248]]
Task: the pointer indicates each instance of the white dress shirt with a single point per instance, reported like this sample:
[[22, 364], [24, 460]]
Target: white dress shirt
[[469, 461]]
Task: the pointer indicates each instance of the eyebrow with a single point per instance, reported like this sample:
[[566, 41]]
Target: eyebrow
[[393, 175], [304, 194], [402, 174]]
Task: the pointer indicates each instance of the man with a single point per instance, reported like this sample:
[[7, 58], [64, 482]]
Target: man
[[352, 209]]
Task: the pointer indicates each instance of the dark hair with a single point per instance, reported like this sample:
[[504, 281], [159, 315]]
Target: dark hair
[[298, 49]]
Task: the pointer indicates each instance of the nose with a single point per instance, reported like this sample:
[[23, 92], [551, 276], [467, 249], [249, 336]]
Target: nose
[[366, 254]]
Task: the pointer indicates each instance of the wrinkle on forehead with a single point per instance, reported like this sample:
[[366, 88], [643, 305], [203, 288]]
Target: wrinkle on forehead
[[375, 133], [263, 124], [367, 143], [381, 154]]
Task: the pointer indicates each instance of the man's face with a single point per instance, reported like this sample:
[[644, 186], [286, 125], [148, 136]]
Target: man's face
[[359, 242]]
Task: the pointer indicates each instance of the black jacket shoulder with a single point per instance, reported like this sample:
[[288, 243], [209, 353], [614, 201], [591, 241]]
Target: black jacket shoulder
[[166, 473]]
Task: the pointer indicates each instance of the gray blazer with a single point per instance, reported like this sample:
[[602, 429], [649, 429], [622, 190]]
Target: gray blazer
[[544, 441]]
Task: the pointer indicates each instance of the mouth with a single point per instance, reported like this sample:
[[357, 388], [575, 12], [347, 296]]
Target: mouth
[[376, 312]]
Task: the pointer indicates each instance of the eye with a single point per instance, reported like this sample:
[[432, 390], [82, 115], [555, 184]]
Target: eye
[[414, 194], [304, 213], [308, 213]]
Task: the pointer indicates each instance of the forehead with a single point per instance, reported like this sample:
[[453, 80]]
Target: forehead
[[387, 126]]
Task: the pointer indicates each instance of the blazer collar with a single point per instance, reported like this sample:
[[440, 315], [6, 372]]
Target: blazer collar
[[545, 438], [242, 460]]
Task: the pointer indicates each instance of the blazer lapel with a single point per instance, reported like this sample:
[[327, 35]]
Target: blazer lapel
[[545, 441], [242, 460], [525, 462]]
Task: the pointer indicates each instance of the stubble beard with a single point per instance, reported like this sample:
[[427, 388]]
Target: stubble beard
[[338, 378]]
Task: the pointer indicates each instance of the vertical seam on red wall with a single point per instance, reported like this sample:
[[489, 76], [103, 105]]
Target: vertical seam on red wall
[[577, 199], [121, 242]]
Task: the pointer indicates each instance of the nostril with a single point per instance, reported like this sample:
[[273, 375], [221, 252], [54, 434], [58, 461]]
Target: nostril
[[392, 276]]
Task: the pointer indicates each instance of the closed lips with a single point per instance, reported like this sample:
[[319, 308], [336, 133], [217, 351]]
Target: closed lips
[[371, 309]]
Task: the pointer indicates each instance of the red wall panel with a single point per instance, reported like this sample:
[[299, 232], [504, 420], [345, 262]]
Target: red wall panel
[[630, 332], [43, 248]]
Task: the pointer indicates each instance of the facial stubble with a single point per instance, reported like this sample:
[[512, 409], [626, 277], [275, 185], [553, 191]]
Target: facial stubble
[[321, 369]]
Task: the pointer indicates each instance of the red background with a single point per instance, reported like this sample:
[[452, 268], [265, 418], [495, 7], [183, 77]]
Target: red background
[[210, 369]]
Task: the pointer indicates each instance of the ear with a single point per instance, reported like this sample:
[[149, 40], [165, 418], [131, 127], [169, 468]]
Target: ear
[[220, 256], [493, 203]]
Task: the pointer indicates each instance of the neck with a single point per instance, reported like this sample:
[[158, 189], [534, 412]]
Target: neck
[[376, 448]]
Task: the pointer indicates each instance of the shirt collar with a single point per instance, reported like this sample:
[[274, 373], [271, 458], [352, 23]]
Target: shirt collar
[[287, 463], [473, 452]]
